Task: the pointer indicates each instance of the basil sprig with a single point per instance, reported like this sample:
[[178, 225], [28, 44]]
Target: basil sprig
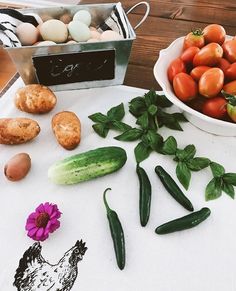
[[112, 120], [150, 114], [221, 182]]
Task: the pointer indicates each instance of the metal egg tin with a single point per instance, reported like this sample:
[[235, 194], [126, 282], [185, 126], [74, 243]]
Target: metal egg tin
[[22, 56]]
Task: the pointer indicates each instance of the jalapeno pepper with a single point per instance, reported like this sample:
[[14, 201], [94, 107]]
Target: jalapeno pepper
[[145, 192], [117, 233], [185, 222], [173, 188]]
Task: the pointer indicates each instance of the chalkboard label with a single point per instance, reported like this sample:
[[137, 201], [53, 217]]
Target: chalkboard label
[[75, 67]]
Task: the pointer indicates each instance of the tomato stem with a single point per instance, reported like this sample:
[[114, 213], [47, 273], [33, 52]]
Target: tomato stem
[[229, 97], [197, 32]]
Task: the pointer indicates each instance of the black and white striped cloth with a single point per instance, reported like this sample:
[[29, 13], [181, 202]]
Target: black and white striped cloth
[[117, 21], [9, 20]]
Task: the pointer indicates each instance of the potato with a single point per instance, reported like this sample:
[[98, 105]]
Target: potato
[[35, 98], [17, 167], [67, 129], [17, 130]]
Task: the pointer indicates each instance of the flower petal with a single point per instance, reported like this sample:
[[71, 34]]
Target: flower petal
[[39, 233], [40, 208], [30, 225], [56, 214], [55, 226], [32, 232], [33, 216]]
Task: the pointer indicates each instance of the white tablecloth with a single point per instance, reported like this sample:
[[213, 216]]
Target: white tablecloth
[[199, 259]]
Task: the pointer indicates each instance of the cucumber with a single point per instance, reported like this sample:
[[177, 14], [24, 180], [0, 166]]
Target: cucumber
[[87, 165]]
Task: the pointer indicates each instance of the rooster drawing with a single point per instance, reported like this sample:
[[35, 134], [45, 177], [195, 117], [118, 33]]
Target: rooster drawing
[[36, 274]]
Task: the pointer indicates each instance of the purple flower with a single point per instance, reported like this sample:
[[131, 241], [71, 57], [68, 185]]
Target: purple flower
[[43, 221]]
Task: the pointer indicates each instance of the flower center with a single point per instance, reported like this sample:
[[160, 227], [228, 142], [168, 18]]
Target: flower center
[[42, 219]]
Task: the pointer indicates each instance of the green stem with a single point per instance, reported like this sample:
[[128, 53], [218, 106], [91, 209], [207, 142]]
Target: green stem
[[105, 200]]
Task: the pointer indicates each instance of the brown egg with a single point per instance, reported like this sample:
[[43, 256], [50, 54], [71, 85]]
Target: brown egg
[[66, 18], [27, 33], [17, 167]]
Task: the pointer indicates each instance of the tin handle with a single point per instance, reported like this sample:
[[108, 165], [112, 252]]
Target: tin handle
[[145, 15]]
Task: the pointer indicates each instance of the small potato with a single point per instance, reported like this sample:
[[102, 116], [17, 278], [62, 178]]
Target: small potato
[[67, 129], [35, 98], [17, 130], [17, 167]]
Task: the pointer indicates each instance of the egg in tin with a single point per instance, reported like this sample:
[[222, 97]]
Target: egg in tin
[[54, 30], [83, 16], [79, 31]]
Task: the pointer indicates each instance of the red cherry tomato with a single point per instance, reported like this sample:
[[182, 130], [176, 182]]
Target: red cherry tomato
[[230, 87], [214, 33], [211, 82], [176, 66], [209, 55], [223, 64], [185, 87], [188, 55], [229, 48], [194, 38], [230, 73], [197, 72], [215, 107]]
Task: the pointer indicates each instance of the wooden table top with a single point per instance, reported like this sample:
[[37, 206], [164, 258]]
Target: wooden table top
[[168, 20]]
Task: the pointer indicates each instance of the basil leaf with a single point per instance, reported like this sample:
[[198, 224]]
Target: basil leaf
[[187, 153], [213, 189], [142, 152], [150, 98], [163, 102], [153, 139], [228, 189], [100, 129], [167, 119], [130, 135], [230, 178], [137, 106], [217, 169], [197, 164], [117, 112], [143, 120], [152, 110], [180, 117], [183, 174], [98, 117], [121, 126], [152, 122], [169, 146]]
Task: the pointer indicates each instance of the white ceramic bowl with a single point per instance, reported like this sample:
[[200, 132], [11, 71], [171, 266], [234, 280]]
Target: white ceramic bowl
[[206, 123]]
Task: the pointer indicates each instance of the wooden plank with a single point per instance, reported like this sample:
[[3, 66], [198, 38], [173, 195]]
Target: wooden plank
[[147, 81]]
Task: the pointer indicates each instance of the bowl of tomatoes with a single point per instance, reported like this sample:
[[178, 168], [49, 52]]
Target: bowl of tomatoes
[[197, 73]]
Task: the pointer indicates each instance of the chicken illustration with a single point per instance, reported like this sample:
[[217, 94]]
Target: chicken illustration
[[36, 274]]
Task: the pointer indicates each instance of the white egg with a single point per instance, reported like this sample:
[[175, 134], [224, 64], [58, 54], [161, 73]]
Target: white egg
[[93, 40], [83, 16], [79, 31], [45, 43], [54, 30], [95, 34], [71, 42], [92, 28], [110, 35], [27, 33]]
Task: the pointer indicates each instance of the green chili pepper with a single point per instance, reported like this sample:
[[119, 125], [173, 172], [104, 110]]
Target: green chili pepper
[[116, 233], [145, 192], [185, 222], [173, 188]]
